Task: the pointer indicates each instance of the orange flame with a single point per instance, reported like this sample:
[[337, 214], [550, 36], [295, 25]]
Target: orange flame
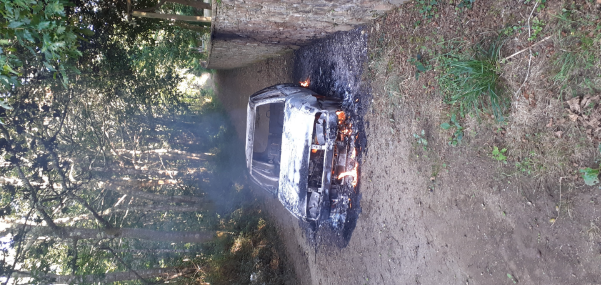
[[341, 116], [314, 151], [352, 173], [305, 83]]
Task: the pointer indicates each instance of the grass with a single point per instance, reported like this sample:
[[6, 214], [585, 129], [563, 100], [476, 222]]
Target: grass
[[473, 83], [575, 67]]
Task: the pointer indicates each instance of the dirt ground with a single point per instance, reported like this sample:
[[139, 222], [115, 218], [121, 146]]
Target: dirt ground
[[438, 214]]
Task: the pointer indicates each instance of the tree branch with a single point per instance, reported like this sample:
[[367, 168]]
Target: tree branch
[[99, 218], [126, 265], [32, 191], [73, 262], [171, 17]]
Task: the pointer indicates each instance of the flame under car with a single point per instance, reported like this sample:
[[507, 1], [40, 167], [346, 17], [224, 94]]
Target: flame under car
[[296, 148]]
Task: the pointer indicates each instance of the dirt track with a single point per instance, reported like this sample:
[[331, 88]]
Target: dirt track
[[440, 214]]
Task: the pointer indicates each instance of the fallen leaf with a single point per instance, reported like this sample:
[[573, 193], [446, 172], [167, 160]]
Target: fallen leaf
[[573, 117], [574, 104], [558, 134], [585, 101], [550, 124], [593, 123]]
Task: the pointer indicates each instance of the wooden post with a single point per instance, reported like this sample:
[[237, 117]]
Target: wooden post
[[171, 17]]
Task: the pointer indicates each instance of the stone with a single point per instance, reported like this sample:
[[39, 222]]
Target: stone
[[267, 28]]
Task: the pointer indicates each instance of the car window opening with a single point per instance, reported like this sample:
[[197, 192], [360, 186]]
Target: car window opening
[[269, 126]]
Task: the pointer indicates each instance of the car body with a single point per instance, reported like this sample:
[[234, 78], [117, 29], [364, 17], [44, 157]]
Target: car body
[[293, 149]]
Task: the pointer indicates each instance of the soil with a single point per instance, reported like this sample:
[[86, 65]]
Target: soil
[[438, 214]]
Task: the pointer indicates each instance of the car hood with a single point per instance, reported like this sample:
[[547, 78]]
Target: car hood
[[299, 117]]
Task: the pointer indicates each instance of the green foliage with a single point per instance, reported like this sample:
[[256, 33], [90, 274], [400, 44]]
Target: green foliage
[[526, 166], [255, 253], [511, 30], [590, 175], [428, 8], [465, 4], [499, 155], [124, 99], [421, 139], [37, 34], [458, 134], [536, 26], [473, 82], [540, 6], [420, 67], [511, 278]]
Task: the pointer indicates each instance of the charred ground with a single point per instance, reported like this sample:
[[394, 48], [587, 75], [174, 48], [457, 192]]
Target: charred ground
[[334, 68]]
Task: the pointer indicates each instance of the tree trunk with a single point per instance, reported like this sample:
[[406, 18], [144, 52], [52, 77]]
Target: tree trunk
[[165, 154], [128, 187], [108, 277], [145, 209], [156, 250], [171, 17], [145, 234], [153, 209], [184, 173]]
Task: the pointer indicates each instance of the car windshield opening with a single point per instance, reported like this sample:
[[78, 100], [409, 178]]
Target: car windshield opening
[[269, 126]]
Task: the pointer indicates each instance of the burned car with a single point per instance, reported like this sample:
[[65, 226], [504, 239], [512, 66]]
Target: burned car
[[296, 149]]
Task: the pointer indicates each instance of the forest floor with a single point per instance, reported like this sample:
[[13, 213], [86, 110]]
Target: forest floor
[[434, 213]]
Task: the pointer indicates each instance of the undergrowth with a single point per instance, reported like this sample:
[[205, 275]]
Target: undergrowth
[[253, 254], [472, 82], [576, 65]]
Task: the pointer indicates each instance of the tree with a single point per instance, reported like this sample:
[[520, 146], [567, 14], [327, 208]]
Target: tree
[[114, 170], [172, 17], [196, 4], [167, 273], [65, 232], [40, 38]]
